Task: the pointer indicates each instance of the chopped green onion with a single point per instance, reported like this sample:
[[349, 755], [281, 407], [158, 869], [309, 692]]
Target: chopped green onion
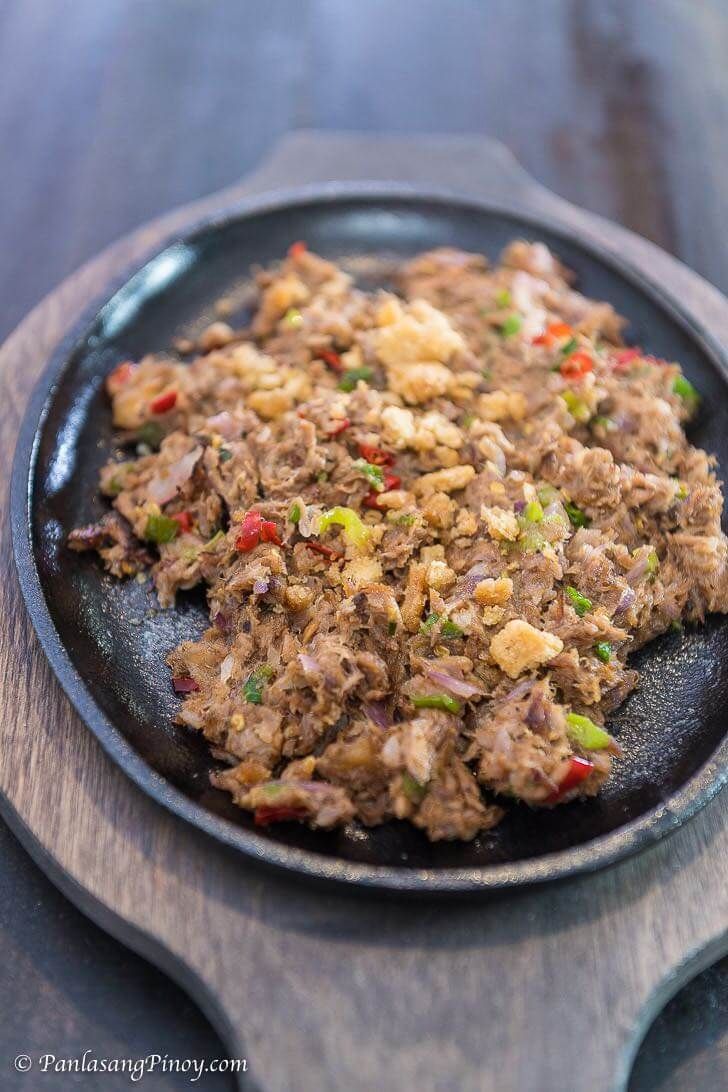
[[253, 687], [412, 789], [350, 379], [487, 374], [429, 623], [374, 474], [294, 514], [225, 455], [151, 434], [603, 651], [405, 520], [355, 532], [684, 389], [576, 406], [449, 629], [579, 602], [503, 299], [653, 562], [511, 325], [586, 733], [391, 627], [571, 346], [533, 512], [577, 517], [161, 529], [682, 491], [676, 626], [467, 420], [600, 421], [293, 318], [436, 701]]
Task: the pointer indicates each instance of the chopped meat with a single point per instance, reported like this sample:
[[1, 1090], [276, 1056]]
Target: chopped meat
[[432, 526]]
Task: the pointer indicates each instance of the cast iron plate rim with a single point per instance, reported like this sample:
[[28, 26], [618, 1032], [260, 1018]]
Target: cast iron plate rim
[[598, 853]]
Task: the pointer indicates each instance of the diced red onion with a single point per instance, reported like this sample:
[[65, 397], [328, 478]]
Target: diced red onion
[[626, 600], [459, 687], [519, 690], [184, 685], [165, 484], [638, 570], [222, 622], [467, 584], [502, 744], [519, 505], [537, 714], [309, 664], [260, 587], [225, 424], [377, 713]]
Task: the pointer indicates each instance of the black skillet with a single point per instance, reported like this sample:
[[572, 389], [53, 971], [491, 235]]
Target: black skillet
[[106, 641]]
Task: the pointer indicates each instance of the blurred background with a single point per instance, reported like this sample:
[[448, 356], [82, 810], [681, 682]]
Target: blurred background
[[113, 111]]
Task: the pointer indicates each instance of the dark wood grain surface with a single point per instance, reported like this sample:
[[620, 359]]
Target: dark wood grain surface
[[112, 112]]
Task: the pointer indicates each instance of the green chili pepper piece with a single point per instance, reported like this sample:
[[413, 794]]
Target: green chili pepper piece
[[355, 532], [412, 789], [577, 517], [350, 379], [586, 733], [450, 629], [161, 529], [373, 474], [429, 623], [511, 325], [436, 701], [684, 389], [579, 602], [603, 651]]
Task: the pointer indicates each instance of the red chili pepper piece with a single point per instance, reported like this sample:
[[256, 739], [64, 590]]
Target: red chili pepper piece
[[559, 329], [339, 427], [184, 519], [552, 331], [269, 532], [184, 685], [249, 534], [267, 813], [390, 481], [625, 357], [163, 403], [120, 376], [296, 249], [579, 769], [333, 360], [325, 551], [576, 366], [376, 455]]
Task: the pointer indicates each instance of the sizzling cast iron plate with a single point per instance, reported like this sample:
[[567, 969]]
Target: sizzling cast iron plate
[[106, 640]]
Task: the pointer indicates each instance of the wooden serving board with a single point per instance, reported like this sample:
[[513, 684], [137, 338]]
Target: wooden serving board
[[550, 988]]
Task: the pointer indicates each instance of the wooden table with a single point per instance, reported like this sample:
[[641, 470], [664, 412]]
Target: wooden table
[[112, 112]]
